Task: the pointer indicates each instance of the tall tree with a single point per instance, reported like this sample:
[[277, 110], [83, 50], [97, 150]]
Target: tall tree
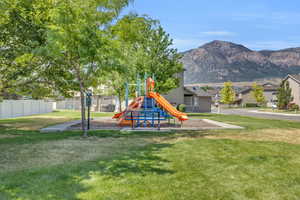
[[284, 95], [158, 57], [78, 39], [258, 93], [227, 94], [145, 48], [129, 34]]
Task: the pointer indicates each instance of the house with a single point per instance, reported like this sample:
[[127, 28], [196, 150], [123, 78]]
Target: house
[[195, 99], [294, 82], [245, 96]]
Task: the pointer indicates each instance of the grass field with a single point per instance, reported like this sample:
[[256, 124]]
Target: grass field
[[260, 162], [35, 122]]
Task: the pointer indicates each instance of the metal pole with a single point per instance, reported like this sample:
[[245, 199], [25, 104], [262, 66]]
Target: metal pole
[[132, 127], [152, 121], [89, 116], [139, 85], [158, 120], [146, 89], [145, 119], [138, 119], [126, 95]]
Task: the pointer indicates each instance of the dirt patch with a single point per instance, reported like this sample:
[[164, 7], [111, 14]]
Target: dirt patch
[[291, 136], [110, 124]]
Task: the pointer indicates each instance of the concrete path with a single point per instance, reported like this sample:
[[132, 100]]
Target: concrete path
[[60, 127], [223, 125], [259, 114]]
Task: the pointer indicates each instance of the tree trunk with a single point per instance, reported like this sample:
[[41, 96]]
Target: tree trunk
[[82, 101], [120, 102], [83, 118]]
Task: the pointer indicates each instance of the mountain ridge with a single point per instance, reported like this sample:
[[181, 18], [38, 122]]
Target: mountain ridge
[[220, 61]]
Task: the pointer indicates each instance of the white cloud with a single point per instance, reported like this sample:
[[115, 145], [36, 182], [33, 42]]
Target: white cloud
[[218, 33]]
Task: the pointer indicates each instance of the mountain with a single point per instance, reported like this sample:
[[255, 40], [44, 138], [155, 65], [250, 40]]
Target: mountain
[[220, 61]]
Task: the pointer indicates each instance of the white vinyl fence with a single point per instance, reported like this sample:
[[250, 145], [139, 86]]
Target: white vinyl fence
[[18, 108]]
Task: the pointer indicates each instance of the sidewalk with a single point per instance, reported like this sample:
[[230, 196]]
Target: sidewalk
[[59, 127], [275, 113]]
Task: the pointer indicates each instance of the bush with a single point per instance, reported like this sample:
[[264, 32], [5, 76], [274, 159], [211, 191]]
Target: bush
[[293, 107], [251, 105], [181, 107]]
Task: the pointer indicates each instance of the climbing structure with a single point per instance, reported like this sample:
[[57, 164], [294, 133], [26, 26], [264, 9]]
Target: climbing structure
[[148, 110]]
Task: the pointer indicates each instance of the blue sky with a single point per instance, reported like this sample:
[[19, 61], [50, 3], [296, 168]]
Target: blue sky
[[257, 24]]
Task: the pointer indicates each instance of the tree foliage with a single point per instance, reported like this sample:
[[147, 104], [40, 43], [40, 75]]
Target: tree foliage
[[144, 49], [284, 95], [78, 39], [258, 93], [158, 57], [227, 94], [22, 30], [64, 44], [147, 48]]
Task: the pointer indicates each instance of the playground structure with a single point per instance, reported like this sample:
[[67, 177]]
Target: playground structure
[[147, 110]]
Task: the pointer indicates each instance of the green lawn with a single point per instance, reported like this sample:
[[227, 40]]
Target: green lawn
[[35, 122], [260, 162]]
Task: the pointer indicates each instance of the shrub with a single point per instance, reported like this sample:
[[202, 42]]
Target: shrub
[[251, 105], [181, 107], [293, 107]]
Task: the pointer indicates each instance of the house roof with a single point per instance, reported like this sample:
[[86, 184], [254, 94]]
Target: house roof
[[198, 91], [267, 87], [270, 87], [295, 77]]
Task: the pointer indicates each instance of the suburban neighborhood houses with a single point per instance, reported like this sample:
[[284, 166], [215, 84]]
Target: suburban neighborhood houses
[[200, 98], [270, 92], [196, 98]]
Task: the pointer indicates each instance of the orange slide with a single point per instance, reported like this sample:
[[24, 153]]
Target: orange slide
[[134, 105], [167, 106]]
